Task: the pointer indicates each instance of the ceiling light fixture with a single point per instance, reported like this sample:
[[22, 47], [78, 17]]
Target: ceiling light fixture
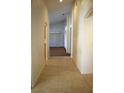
[[60, 0]]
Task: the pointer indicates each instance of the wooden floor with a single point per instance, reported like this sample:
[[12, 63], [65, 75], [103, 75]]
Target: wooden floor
[[61, 76], [58, 51]]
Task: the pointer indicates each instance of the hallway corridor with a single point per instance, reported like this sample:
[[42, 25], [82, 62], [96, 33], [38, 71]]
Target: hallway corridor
[[60, 75]]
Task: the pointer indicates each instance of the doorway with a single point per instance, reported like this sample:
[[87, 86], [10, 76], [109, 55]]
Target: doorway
[[60, 38], [59, 28]]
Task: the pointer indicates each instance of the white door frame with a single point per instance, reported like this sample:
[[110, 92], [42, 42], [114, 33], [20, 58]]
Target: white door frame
[[46, 42]]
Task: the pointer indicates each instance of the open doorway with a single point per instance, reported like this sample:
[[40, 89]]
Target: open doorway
[[60, 28], [60, 38]]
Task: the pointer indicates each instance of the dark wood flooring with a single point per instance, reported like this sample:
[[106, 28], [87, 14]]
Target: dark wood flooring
[[58, 51]]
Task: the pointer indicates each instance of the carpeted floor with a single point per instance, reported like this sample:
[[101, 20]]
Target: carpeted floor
[[61, 76], [58, 51]]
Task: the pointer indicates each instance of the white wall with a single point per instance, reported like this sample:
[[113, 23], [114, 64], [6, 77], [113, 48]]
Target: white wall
[[83, 49], [56, 34], [75, 15], [38, 18]]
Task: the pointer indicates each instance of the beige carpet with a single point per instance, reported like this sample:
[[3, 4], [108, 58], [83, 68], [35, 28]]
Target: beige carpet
[[61, 76]]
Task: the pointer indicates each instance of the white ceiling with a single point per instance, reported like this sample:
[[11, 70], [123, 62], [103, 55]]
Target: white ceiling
[[56, 9]]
